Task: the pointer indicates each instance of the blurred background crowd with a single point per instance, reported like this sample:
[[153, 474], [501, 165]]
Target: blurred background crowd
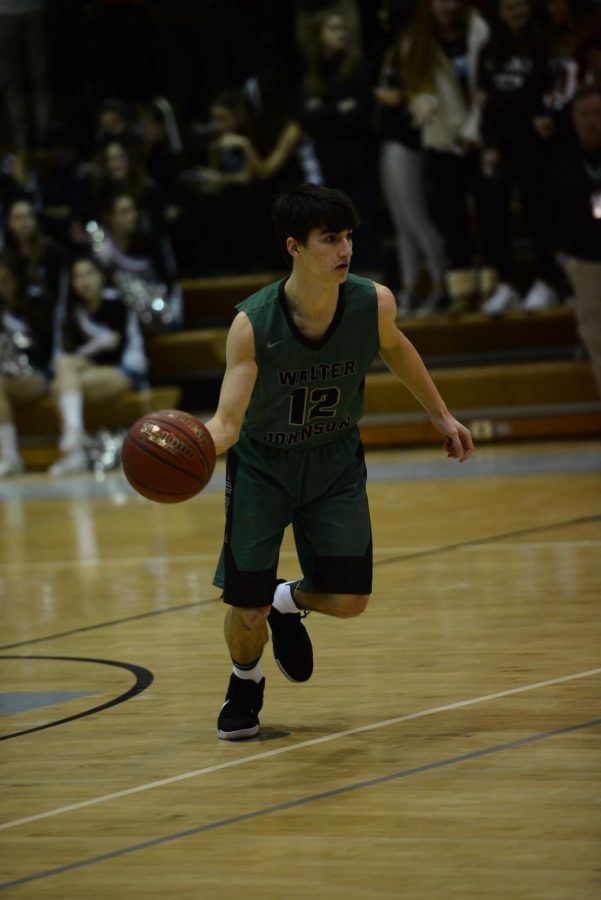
[[142, 142]]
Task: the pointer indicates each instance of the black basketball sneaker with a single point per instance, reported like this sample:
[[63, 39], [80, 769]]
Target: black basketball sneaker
[[239, 715], [292, 646]]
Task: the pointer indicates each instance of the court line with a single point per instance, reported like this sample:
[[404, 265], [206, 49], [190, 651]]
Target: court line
[[301, 745], [135, 618], [475, 542], [302, 801], [431, 551], [143, 676]]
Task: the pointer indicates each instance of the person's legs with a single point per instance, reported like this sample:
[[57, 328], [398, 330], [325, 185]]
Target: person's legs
[[392, 192], [342, 606], [68, 395], [532, 175], [586, 280], [412, 194], [24, 389], [495, 195], [257, 512], [448, 175], [246, 633], [322, 491], [332, 531], [77, 380]]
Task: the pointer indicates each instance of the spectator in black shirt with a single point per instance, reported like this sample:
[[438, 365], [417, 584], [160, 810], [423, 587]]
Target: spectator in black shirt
[[121, 169], [444, 40], [102, 357], [514, 76], [138, 259], [402, 173], [41, 257], [335, 111]]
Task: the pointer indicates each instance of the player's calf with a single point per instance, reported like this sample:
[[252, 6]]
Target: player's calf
[[347, 606]]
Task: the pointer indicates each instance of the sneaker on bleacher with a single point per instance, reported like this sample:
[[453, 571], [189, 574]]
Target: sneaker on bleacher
[[504, 299], [540, 297], [70, 464], [11, 465]]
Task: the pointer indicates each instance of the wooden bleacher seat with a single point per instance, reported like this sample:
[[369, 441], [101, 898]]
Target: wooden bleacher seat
[[211, 301], [498, 402], [38, 423]]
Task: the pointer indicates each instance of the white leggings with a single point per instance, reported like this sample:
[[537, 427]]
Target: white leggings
[[402, 180]]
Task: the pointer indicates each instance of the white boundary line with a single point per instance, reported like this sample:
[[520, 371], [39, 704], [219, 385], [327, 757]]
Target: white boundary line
[[299, 746]]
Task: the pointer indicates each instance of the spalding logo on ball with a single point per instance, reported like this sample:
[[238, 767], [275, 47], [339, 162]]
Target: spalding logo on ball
[[168, 456]]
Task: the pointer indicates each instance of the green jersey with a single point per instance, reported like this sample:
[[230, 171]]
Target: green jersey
[[310, 392]]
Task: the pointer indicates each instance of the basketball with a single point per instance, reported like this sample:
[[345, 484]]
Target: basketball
[[168, 456]]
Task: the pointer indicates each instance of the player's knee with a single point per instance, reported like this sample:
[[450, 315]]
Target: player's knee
[[347, 606], [253, 618]]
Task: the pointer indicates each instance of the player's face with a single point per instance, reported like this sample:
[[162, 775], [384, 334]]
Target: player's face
[[327, 254]]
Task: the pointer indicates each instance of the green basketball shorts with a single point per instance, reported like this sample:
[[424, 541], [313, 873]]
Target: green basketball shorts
[[321, 492]]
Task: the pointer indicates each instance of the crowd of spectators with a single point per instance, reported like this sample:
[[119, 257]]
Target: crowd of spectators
[[141, 143]]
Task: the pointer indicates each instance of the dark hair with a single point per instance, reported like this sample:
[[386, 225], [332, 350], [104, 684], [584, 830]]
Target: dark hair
[[39, 241], [347, 61], [309, 206]]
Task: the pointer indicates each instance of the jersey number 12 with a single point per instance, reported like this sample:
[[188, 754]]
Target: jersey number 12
[[306, 406]]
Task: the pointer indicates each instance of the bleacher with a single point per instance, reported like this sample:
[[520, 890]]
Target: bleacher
[[519, 376]]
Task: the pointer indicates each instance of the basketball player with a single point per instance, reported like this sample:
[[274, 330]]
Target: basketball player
[[297, 354]]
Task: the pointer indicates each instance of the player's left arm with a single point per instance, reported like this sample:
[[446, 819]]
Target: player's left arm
[[404, 361]]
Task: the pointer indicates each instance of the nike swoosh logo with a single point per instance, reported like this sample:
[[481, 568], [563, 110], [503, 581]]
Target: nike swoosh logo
[[275, 343]]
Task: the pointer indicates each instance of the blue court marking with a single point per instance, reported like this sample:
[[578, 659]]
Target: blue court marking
[[301, 801], [22, 701], [144, 679]]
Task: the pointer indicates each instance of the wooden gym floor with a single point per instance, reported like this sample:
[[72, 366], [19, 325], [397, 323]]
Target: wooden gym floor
[[448, 745]]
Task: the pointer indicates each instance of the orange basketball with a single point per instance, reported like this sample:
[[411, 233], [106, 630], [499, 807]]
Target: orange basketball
[[168, 456]]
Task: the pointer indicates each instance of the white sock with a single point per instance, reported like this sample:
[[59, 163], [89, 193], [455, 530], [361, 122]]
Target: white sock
[[253, 674], [282, 599], [71, 407], [8, 441]]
